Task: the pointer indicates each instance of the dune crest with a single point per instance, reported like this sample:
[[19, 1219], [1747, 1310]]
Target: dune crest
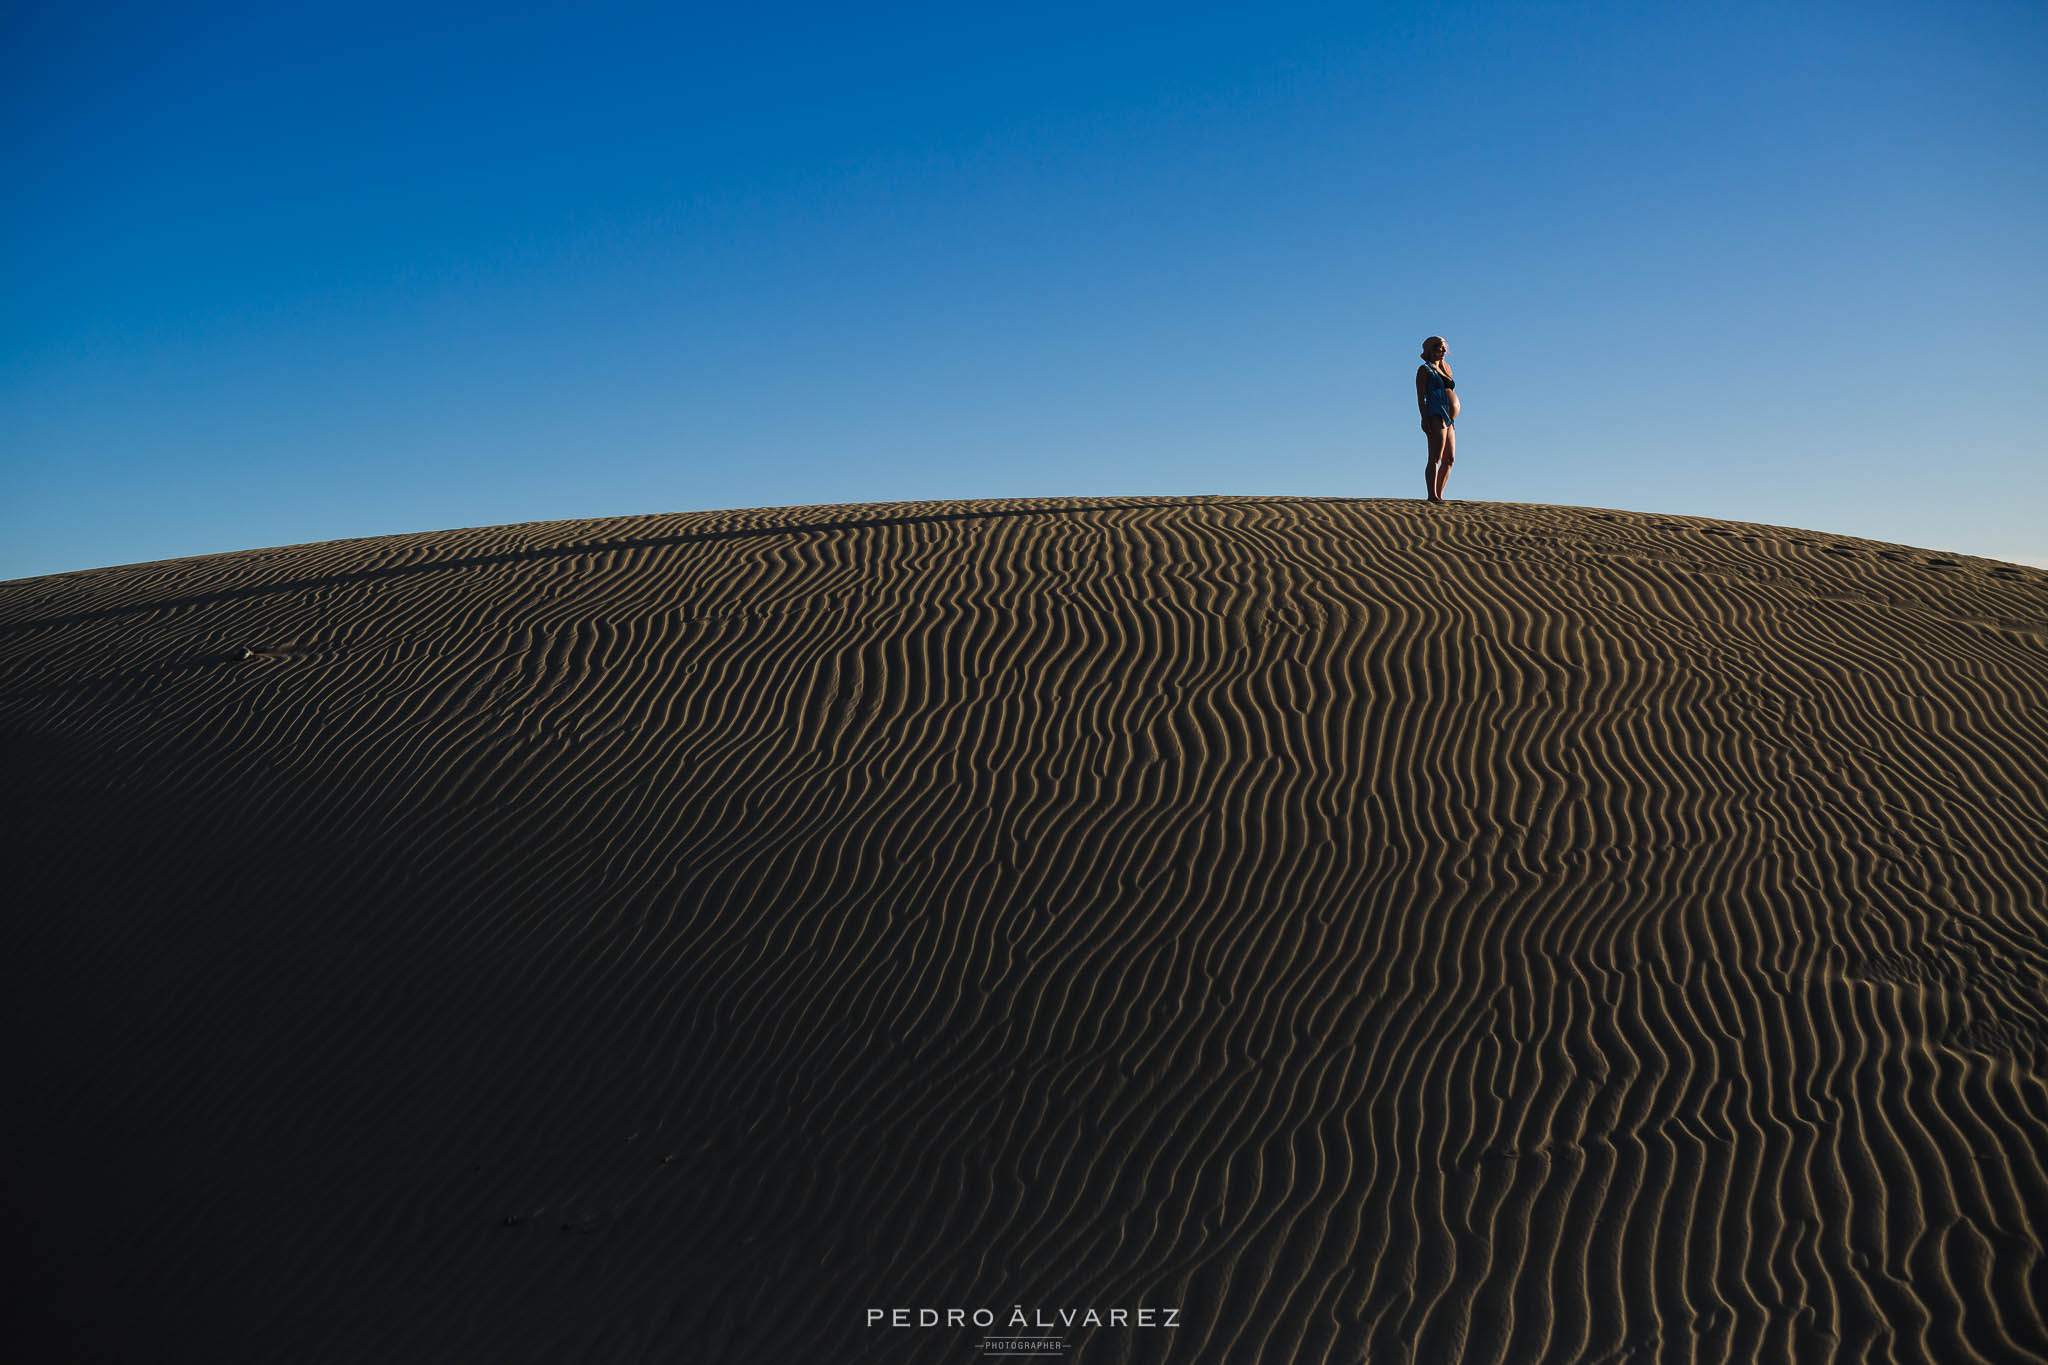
[[1382, 932]]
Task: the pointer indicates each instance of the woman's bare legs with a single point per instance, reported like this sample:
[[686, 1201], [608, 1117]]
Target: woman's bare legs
[[1443, 448]]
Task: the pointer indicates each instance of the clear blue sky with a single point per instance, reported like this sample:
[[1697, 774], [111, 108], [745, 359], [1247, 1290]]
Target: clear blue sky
[[278, 273]]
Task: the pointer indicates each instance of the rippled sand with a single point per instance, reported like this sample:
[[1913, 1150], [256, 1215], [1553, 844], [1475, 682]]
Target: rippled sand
[[1383, 932]]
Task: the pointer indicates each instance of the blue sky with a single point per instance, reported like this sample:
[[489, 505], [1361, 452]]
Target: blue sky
[[278, 274]]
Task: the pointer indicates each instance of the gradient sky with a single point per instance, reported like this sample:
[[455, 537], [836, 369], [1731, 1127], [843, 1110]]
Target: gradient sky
[[277, 273]]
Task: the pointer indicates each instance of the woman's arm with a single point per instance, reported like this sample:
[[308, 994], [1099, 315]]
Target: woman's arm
[[1422, 390]]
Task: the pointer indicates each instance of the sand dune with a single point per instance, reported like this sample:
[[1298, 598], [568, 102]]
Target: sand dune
[[1377, 932]]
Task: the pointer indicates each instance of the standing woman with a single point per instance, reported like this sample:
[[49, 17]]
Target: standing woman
[[1436, 394]]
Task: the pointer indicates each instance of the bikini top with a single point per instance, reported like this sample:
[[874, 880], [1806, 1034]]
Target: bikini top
[[1437, 378]]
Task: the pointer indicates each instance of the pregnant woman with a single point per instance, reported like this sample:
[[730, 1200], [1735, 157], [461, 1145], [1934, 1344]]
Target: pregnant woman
[[1436, 394]]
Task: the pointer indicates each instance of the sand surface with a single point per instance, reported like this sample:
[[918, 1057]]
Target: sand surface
[[1379, 932]]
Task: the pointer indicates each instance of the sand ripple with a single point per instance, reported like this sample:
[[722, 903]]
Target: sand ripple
[[1481, 933]]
